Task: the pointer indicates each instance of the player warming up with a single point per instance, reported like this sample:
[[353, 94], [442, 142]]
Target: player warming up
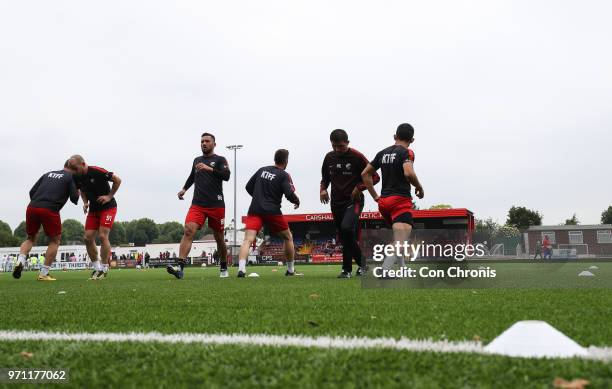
[[208, 172], [267, 187], [47, 197], [101, 208], [342, 168], [395, 202]]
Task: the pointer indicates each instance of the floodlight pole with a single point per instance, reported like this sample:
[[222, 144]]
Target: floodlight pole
[[235, 148]]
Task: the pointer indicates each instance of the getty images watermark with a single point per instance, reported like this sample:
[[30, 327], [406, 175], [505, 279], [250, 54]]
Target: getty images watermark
[[399, 252]]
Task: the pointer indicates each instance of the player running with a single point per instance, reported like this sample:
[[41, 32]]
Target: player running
[[101, 208], [47, 197], [267, 187], [342, 168], [395, 201], [208, 172]]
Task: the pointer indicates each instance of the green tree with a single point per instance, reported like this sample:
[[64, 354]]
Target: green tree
[[4, 227], [6, 236], [72, 231], [485, 230], [606, 216], [508, 232], [20, 232], [8, 240], [140, 238], [149, 227], [441, 206], [117, 234], [522, 218], [170, 232], [130, 230], [573, 221]]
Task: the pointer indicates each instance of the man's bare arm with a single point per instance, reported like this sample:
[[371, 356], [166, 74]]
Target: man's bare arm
[[116, 183], [412, 178], [85, 201], [366, 177]]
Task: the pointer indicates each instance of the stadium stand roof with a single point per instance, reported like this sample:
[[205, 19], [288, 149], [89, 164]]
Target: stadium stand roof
[[417, 214]]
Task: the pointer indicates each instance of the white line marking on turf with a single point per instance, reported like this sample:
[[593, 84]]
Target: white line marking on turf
[[324, 342]]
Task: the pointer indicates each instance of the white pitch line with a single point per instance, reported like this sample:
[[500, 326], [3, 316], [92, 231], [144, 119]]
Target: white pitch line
[[323, 342]]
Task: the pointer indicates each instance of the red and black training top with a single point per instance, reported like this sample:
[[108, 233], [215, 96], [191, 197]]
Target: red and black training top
[[208, 191], [94, 184], [391, 162], [267, 187], [343, 171]]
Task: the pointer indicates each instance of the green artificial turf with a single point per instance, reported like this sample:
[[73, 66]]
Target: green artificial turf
[[316, 304], [162, 365]]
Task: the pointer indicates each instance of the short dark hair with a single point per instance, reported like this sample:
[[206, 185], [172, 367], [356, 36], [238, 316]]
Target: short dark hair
[[404, 132], [209, 134], [338, 135], [78, 159], [281, 156]]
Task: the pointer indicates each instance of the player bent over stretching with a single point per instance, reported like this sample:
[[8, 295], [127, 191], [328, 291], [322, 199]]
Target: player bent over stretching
[[101, 208], [267, 187], [208, 172], [395, 201], [47, 197]]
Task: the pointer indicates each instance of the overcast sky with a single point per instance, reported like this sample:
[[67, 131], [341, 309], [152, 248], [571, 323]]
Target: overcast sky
[[511, 100]]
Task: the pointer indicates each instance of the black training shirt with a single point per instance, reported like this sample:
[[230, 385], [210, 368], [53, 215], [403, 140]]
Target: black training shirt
[[343, 171], [94, 184], [208, 191], [53, 189], [267, 187], [391, 162]]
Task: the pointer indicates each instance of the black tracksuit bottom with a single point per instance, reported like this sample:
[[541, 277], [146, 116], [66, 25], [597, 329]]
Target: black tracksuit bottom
[[347, 224]]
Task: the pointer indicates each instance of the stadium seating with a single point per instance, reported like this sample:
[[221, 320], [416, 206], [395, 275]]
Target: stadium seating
[[304, 248]]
